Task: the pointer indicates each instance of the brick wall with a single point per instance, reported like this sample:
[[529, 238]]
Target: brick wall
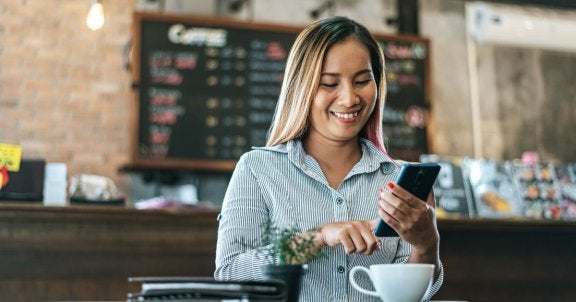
[[64, 92]]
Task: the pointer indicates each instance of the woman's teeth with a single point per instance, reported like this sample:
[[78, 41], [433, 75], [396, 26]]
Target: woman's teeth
[[346, 115]]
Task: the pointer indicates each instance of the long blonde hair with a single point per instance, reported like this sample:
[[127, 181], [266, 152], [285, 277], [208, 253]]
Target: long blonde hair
[[302, 78]]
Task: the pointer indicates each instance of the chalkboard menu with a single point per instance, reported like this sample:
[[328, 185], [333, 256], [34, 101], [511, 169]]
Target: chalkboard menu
[[407, 112], [206, 90]]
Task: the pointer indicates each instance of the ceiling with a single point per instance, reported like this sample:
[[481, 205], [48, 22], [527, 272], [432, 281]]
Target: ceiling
[[571, 4]]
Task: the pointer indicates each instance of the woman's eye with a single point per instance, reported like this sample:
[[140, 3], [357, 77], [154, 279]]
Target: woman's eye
[[329, 85], [364, 82]]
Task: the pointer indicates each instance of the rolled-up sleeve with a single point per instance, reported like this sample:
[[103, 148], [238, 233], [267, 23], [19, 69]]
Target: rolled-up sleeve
[[240, 227]]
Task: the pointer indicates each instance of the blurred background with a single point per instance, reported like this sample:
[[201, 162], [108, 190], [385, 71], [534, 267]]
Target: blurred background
[[65, 90]]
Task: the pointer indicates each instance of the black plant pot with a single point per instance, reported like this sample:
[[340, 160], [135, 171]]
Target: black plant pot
[[291, 275]]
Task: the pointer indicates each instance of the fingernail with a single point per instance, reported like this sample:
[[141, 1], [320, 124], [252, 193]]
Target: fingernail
[[390, 185]]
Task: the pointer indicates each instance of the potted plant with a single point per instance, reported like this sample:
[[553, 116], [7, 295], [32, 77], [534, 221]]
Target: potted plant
[[287, 252]]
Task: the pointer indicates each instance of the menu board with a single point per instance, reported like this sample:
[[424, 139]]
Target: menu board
[[205, 90], [407, 112]]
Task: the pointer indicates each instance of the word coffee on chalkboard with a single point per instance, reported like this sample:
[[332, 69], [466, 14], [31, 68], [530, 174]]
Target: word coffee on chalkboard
[[206, 90]]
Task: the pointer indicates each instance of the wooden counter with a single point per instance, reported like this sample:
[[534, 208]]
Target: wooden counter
[[502, 260], [87, 253]]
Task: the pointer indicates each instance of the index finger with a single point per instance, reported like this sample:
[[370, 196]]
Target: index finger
[[406, 196], [431, 200], [373, 224]]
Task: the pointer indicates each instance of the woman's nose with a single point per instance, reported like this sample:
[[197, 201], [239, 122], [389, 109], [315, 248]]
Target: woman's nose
[[349, 96]]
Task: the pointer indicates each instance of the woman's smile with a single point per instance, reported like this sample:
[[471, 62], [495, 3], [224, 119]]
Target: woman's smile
[[346, 117]]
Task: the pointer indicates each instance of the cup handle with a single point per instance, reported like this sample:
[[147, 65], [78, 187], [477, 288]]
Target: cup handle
[[356, 286]]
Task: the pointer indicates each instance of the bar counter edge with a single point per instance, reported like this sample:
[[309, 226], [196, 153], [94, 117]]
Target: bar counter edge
[[88, 252]]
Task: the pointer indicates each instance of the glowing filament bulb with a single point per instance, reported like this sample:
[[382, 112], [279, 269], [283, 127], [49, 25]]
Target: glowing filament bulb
[[95, 19]]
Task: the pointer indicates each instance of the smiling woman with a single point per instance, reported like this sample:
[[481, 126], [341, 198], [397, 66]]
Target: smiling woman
[[295, 93], [324, 170]]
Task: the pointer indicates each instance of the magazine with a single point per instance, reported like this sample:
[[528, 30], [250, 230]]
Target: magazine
[[538, 189], [206, 289], [566, 179], [451, 190], [493, 189]]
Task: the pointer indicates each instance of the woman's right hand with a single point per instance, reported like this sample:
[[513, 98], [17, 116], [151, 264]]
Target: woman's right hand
[[355, 236]]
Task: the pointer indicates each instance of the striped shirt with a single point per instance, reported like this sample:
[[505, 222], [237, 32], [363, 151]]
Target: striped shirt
[[284, 185]]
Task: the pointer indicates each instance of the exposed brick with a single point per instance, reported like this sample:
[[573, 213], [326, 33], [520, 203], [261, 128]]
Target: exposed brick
[[61, 83], [92, 159], [39, 84], [38, 42]]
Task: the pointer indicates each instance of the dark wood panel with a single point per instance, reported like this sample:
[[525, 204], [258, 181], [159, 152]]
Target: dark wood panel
[[88, 253], [55, 289], [492, 260]]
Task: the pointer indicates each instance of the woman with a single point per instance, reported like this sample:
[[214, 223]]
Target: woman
[[324, 169]]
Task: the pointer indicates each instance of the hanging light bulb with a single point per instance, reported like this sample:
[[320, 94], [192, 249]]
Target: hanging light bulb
[[95, 18]]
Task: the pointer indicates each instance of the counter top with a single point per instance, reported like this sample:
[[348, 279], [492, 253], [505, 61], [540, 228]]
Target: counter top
[[123, 213], [88, 253]]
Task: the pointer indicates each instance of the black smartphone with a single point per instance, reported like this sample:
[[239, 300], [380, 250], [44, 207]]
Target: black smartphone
[[417, 179]]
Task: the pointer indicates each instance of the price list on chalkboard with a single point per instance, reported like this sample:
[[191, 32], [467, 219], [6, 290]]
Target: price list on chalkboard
[[207, 92], [206, 89], [406, 115]]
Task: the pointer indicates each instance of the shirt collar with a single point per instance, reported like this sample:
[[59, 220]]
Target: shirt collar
[[371, 160]]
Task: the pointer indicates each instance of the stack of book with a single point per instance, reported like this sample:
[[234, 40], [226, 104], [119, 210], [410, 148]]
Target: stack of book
[[182, 289]]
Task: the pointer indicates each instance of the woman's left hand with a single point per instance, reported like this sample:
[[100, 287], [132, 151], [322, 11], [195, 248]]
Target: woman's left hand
[[413, 219]]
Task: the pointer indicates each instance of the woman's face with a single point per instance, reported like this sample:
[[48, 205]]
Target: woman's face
[[346, 95]]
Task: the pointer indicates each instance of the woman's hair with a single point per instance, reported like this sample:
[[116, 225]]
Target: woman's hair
[[302, 78]]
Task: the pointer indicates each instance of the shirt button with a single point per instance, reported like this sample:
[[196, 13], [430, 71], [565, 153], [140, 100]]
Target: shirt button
[[340, 269], [339, 200]]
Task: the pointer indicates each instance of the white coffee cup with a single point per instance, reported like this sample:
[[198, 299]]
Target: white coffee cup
[[396, 282]]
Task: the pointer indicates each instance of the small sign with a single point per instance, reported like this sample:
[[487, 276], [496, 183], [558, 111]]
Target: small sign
[[453, 197], [10, 156]]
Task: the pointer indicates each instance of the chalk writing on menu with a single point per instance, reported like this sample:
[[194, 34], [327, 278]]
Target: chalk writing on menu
[[406, 115], [208, 90]]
